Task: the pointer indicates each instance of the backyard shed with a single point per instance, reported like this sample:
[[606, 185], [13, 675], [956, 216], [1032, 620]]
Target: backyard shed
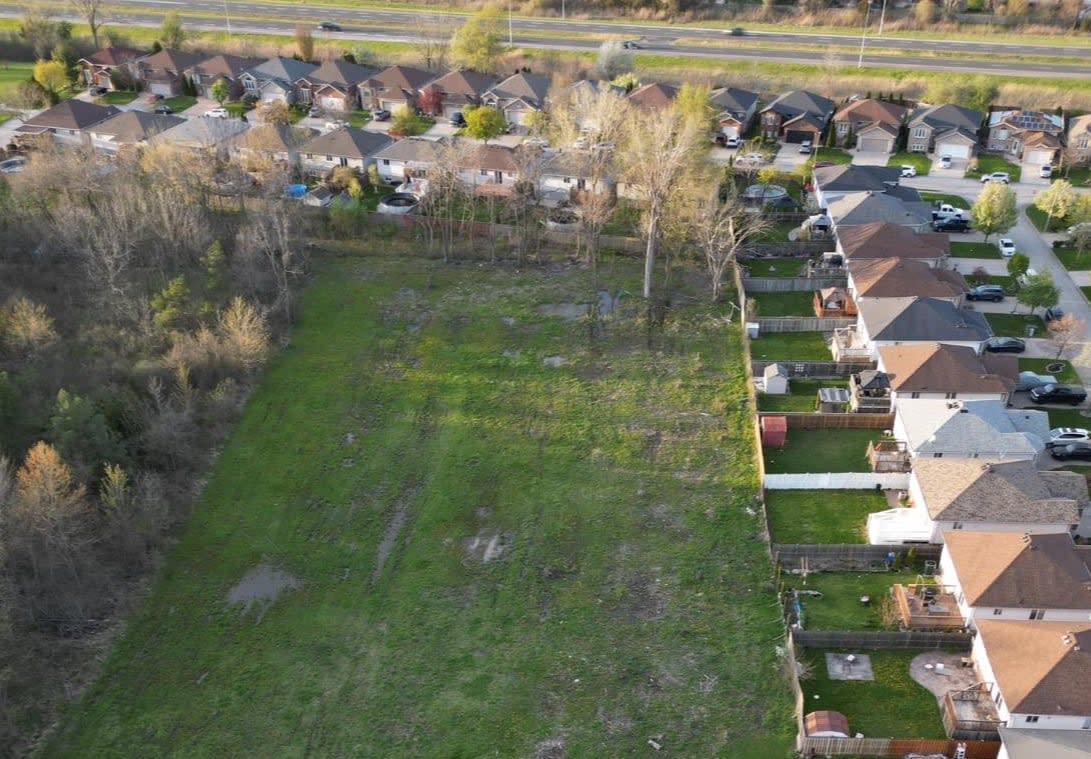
[[774, 431], [826, 724], [833, 400], [775, 380]]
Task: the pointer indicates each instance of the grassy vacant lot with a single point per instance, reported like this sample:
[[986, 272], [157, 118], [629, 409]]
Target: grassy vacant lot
[[1015, 325], [919, 161], [785, 304], [490, 551], [822, 451], [839, 608], [803, 396], [974, 250], [1073, 260], [789, 346], [1038, 366], [820, 516], [956, 200], [916, 715], [774, 267]]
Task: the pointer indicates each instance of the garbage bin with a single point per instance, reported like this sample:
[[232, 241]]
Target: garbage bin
[[1031, 330], [752, 330]]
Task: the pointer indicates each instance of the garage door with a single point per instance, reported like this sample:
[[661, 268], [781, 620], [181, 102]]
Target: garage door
[[331, 104], [793, 135], [954, 150], [874, 145], [161, 88]]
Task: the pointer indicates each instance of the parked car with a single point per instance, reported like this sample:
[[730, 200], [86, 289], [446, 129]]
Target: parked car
[[1073, 395], [1007, 247], [805, 147], [164, 109], [995, 293], [1071, 451], [380, 114], [1029, 380], [1053, 313], [457, 119], [329, 26], [951, 224], [945, 162], [908, 171], [13, 165], [732, 143], [98, 90], [1046, 172], [996, 176], [217, 113], [1067, 435], [1006, 345], [335, 124], [1079, 229]]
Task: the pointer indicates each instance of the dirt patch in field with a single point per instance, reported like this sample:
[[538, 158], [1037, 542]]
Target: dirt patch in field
[[261, 586], [393, 529], [551, 748], [486, 546]]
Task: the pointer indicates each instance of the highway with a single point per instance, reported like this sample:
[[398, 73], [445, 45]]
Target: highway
[[698, 42]]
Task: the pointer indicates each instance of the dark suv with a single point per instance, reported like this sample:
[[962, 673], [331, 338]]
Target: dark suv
[[995, 293], [951, 224], [1071, 394]]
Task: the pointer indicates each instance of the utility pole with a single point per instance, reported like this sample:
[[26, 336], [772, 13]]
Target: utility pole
[[511, 42], [863, 37], [562, 10], [228, 17], [882, 18]]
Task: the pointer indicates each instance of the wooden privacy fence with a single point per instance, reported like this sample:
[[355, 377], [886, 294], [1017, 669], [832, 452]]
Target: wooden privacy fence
[[790, 284], [829, 556], [810, 420], [816, 369], [899, 747], [786, 249], [778, 324], [880, 639]]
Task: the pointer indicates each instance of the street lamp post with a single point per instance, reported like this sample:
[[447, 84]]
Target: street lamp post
[[510, 40], [228, 17], [882, 18], [863, 37]]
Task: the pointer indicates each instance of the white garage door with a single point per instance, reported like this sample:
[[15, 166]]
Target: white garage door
[[161, 88], [955, 150], [331, 104], [874, 145]]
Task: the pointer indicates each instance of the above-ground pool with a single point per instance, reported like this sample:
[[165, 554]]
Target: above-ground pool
[[398, 203]]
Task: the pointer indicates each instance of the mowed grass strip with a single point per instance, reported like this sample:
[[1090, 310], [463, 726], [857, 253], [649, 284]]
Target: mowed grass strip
[[411, 429]]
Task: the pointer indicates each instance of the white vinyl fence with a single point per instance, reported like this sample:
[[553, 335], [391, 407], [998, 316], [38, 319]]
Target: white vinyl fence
[[838, 481]]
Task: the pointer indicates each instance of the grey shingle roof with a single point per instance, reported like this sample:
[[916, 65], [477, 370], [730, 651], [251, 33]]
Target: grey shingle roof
[[531, 88], [733, 100], [135, 126], [791, 104], [281, 69], [858, 208], [69, 114], [972, 428], [348, 142], [923, 319], [947, 116], [849, 178]]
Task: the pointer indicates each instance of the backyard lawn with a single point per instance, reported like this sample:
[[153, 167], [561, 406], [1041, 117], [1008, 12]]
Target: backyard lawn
[[1015, 325], [1038, 366], [987, 164], [791, 346], [1072, 259], [866, 703], [785, 304], [820, 516], [774, 267], [777, 232], [919, 161], [840, 608], [803, 395], [821, 451], [425, 539], [975, 250]]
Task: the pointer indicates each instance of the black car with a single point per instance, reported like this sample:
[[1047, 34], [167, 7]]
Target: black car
[[951, 224], [995, 293], [1071, 451], [457, 119], [1053, 314], [1005, 345], [1073, 395], [380, 114], [164, 109], [329, 26]]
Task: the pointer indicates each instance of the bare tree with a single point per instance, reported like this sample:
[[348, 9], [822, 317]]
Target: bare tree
[[433, 38], [273, 237], [1065, 332], [445, 194], [91, 10], [720, 230], [521, 208]]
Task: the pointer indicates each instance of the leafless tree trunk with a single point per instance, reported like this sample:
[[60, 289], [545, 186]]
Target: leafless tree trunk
[[91, 11], [272, 235], [445, 195], [720, 230]]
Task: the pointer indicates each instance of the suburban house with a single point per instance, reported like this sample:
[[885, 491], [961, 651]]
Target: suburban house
[[945, 372], [200, 135], [884, 240], [1036, 673], [893, 321], [974, 429], [1035, 744], [333, 86], [164, 73], [1004, 575], [1079, 139], [857, 208], [944, 130], [902, 277], [1030, 136], [459, 89], [873, 123], [653, 96], [129, 130], [273, 79], [563, 172], [266, 144], [734, 108], [519, 95], [490, 169], [68, 122], [985, 495], [835, 182], [100, 67], [394, 87], [406, 159], [220, 67], [345, 146], [796, 116]]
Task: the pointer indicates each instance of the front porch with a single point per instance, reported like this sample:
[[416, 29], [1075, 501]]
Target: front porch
[[926, 607]]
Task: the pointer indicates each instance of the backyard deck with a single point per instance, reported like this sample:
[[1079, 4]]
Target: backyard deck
[[926, 607]]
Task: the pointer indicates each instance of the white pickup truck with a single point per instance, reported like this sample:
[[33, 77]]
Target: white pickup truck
[[948, 211]]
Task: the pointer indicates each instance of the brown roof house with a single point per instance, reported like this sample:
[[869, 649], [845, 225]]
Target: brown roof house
[[944, 130], [872, 123], [984, 495], [653, 96], [229, 68], [266, 145], [519, 95], [1079, 139], [345, 146], [407, 159], [1030, 136], [394, 87], [101, 67], [67, 122], [796, 116], [490, 169], [457, 90], [129, 131], [946, 372], [1036, 673], [333, 86], [901, 278], [164, 72], [883, 239], [1008, 575]]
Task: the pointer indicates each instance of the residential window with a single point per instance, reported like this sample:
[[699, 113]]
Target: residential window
[[842, 127], [568, 180], [1031, 718], [344, 162], [998, 612], [1003, 134], [950, 396], [1082, 143], [920, 132], [1037, 614], [386, 162], [329, 158], [914, 395], [956, 525]]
